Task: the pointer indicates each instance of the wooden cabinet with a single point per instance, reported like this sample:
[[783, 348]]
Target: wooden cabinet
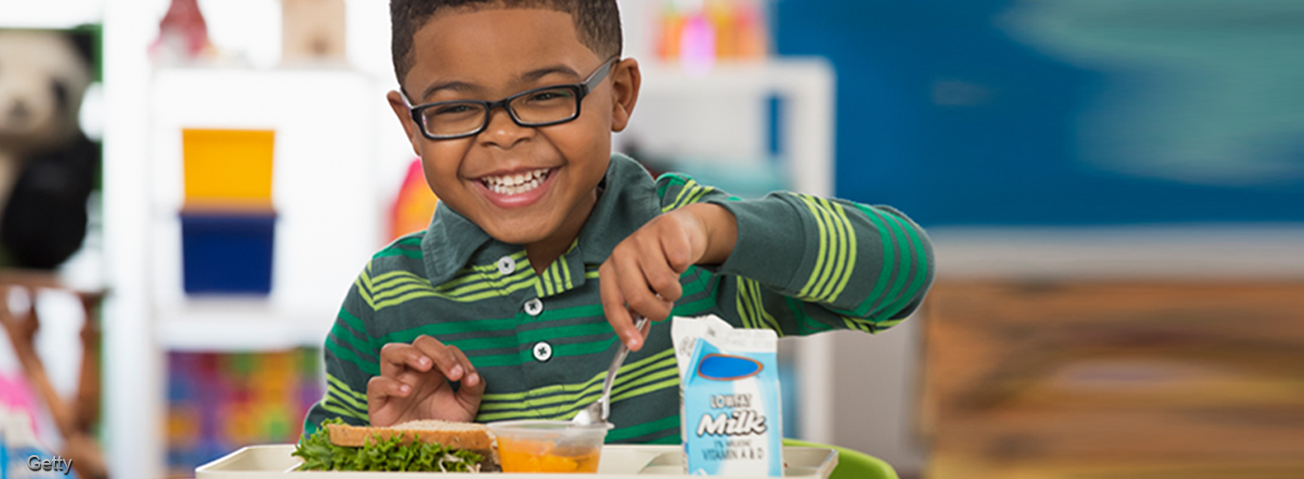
[[1114, 378]]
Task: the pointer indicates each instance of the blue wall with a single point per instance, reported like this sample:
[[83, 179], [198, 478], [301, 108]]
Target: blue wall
[[957, 122]]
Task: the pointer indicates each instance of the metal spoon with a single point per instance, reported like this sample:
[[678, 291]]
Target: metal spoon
[[600, 410]]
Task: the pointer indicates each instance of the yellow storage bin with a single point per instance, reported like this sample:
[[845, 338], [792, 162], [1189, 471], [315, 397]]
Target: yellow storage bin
[[228, 167]]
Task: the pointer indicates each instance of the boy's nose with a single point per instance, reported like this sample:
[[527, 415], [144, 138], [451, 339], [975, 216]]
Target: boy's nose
[[503, 132]]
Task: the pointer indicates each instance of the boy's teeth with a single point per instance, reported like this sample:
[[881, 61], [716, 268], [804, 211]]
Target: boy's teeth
[[515, 184]]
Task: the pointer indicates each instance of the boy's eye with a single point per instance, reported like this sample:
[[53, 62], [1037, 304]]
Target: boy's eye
[[550, 95], [456, 109]]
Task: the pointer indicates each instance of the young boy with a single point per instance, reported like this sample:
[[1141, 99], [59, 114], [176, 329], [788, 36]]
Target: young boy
[[510, 304]]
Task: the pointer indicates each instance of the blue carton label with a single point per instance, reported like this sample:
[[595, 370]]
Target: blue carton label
[[730, 399]]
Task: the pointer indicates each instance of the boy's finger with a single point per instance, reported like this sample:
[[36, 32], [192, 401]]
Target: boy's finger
[[470, 393], [380, 388], [445, 359], [613, 305], [469, 376], [417, 378], [677, 249], [647, 328], [394, 357], [660, 274], [638, 293]]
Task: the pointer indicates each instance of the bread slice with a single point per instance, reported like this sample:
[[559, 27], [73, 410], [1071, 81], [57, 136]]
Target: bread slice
[[456, 435]]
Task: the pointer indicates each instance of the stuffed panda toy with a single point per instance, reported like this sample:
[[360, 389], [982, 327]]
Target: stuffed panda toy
[[47, 165]]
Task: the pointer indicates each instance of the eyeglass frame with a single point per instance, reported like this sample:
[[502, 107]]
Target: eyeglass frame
[[581, 90]]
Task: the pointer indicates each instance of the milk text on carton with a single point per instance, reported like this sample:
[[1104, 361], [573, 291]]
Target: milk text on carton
[[741, 422]]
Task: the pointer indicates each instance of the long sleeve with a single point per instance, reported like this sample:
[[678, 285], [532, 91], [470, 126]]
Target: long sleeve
[[351, 359], [804, 264]]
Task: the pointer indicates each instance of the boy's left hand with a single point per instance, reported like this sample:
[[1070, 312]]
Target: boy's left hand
[[642, 273]]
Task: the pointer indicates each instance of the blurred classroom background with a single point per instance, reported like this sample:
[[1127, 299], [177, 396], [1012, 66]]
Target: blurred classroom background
[[1114, 189]]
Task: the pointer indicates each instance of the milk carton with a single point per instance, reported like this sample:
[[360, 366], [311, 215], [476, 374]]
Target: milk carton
[[729, 398]]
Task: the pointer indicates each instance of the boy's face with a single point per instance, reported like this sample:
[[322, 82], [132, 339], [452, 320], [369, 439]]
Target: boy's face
[[522, 185]]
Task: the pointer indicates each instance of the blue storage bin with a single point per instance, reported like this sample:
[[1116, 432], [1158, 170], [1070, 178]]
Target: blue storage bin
[[227, 253]]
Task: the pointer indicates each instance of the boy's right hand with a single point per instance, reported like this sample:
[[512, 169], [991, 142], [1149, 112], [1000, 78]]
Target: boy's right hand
[[415, 383]]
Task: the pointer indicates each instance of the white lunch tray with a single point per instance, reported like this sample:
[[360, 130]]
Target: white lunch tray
[[618, 461]]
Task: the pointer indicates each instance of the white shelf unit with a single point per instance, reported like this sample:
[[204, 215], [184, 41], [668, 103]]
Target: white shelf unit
[[329, 215], [243, 325], [328, 219]]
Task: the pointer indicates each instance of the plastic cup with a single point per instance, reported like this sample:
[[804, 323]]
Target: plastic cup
[[549, 446]]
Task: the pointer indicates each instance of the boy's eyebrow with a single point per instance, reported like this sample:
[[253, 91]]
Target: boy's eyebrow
[[453, 85], [527, 77], [534, 75]]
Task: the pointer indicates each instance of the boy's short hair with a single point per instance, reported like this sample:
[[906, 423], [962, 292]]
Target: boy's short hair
[[597, 23]]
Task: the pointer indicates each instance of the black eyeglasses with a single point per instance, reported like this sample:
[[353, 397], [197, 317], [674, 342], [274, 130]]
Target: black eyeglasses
[[550, 105]]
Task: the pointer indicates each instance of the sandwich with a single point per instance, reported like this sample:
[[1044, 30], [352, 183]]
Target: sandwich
[[415, 446]]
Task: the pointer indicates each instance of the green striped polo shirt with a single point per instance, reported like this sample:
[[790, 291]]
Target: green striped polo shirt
[[801, 265]]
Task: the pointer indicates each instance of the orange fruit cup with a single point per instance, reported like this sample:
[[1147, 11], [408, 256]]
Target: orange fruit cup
[[549, 446]]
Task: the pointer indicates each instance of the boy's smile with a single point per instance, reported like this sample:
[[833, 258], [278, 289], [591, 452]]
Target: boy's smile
[[523, 185], [511, 187], [517, 190]]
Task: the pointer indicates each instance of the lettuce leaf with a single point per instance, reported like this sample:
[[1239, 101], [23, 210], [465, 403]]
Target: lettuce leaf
[[389, 455]]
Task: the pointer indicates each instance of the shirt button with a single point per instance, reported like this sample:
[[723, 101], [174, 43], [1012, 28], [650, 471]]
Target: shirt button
[[506, 265], [533, 307], [542, 351]]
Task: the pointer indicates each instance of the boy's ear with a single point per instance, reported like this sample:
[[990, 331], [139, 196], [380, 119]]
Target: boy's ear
[[626, 80], [400, 108]]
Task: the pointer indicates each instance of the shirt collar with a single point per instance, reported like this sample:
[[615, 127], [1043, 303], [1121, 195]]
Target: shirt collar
[[629, 200]]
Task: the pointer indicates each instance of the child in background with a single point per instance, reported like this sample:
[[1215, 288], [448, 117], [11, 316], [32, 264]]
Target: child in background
[[544, 243]]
